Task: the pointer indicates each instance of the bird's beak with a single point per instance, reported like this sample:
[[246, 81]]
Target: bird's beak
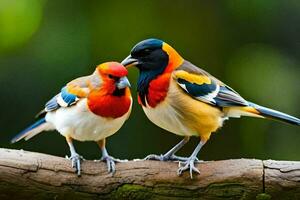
[[129, 61], [123, 83]]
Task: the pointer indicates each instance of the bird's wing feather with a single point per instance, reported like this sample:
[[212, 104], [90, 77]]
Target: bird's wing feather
[[72, 93], [62, 99], [204, 87]]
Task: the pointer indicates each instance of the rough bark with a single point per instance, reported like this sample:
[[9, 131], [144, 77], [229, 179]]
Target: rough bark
[[282, 179], [28, 175]]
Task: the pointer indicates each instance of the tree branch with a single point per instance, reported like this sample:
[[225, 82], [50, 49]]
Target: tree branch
[[28, 175]]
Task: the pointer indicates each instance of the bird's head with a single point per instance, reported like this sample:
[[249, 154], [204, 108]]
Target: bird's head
[[109, 94], [113, 75], [153, 55]]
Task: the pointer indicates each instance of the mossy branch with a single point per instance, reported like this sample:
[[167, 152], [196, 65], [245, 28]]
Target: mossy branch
[[28, 175]]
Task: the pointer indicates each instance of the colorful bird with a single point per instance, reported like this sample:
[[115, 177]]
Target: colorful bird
[[186, 100], [89, 108]]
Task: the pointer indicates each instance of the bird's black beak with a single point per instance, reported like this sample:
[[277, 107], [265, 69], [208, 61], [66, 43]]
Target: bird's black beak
[[123, 83], [129, 61]]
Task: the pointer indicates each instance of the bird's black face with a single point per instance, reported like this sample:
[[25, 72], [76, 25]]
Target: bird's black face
[[148, 55], [151, 60]]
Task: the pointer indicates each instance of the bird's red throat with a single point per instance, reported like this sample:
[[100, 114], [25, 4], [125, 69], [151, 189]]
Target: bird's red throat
[[105, 104], [158, 87]]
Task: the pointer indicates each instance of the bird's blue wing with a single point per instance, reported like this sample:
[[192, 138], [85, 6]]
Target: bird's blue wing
[[68, 98], [63, 99]]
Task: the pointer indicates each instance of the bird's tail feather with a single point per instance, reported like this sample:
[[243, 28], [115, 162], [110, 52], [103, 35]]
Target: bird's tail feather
[[254, 110], [32, 130], [274, 114]]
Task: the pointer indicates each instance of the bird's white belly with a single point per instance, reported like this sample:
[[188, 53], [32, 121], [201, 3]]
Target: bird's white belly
[[83, 125], [167, 117]]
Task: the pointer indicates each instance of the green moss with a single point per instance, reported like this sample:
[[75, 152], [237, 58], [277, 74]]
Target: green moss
[[132, 191], [226, 190], [263, 196], [174, 192], [213, 191]]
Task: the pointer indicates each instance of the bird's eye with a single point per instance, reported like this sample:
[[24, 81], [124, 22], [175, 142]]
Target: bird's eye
[[144, 52], [141, 52], [113, 77]]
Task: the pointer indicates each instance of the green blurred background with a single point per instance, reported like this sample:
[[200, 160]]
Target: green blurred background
[[253, 46]]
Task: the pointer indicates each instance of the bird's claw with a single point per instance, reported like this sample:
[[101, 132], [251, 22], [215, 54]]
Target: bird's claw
[[110, 162], [188, 165], [76, 163], [183, 159], [155, 157]]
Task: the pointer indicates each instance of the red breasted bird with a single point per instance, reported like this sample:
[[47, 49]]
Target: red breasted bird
[[89, 108], [186, 100]]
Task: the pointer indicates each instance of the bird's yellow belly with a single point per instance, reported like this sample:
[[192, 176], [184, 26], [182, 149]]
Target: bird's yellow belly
[[168, 118], [182, 115]]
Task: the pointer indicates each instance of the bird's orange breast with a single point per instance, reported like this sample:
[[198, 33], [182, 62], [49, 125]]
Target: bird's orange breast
[[108, 105]]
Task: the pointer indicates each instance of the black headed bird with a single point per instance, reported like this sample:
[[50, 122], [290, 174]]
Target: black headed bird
[[186, 100]]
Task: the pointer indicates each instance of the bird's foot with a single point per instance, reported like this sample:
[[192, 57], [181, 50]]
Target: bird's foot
[[188, 165], [168, 158], [76, 163], [110, 162]]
